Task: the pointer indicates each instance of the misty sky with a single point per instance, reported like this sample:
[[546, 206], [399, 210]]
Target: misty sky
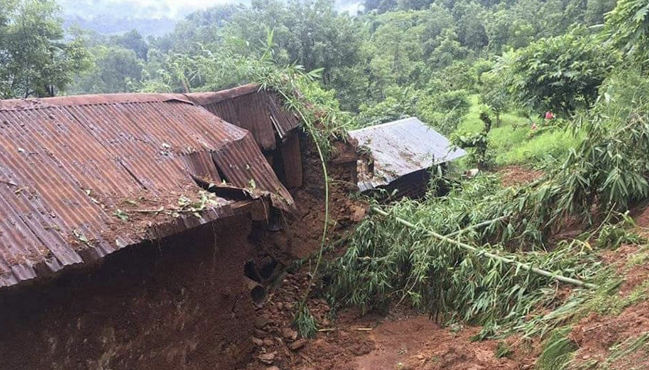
[[173, 9]]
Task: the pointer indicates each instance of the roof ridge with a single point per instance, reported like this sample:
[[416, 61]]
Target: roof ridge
[[211, 97], [91, 99], [385, 124]]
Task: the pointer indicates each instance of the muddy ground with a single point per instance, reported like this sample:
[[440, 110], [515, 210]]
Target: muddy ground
[[407, 339], [402, 339]]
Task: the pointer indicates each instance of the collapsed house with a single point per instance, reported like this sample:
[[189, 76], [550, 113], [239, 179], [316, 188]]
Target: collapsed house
[[402, 154], [261, 113], [127, 222]]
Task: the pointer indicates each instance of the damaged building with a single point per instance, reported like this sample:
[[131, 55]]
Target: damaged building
[[399, 156], [127, 222]]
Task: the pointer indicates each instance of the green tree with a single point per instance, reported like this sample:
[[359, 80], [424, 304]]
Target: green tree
[[493, 94], [448, 51], [596, 9], [399, 103], [380, 6], [397, 53], [628, 26], [443, 110], [115, 69], [134, 41], [34, 58], [561, 73], [471, 31]]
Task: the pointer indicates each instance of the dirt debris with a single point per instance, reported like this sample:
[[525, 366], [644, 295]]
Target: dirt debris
[[409, 340], [597, 335], [402, 339], [305, 226], [518, 175]]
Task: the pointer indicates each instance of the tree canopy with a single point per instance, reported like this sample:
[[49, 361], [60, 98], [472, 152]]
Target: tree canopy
[[35, 60]]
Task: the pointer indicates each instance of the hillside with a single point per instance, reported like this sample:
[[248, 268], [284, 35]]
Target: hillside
[[529, 252]]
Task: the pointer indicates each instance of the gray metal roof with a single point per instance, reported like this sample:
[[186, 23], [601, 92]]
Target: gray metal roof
[[403, 147]]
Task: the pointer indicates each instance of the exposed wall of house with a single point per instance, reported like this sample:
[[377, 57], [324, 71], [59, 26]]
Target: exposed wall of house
[[413, 185], [179, 304], [304, 227]]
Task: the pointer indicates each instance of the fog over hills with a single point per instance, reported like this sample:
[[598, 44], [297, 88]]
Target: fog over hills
[[149, 17]]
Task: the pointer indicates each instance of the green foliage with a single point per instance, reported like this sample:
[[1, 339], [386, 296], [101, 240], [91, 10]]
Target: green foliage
[[308, 33], [502, 350], [628, 347], [476, 143], [535, 150], [132, 40], [557, 352], [444, 110], [114, 70], [305, 322], [514, 141], [562, 73], [612, 235], [400, 103], [386, 263], [628, 26], [34, 59], [493, 93]]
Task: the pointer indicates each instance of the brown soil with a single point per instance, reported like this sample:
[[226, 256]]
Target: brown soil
[[518, 175], [641, 217], [403, 339], [304, 228], [596, 335]]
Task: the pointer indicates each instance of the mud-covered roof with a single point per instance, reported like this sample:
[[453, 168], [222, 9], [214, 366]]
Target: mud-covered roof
[[249, 107], [83, 176], [402, 147]]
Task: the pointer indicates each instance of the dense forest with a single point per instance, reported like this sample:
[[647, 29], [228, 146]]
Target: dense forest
[[397, 58]]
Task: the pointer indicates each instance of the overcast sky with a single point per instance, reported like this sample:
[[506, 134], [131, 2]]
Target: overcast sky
[[157, 8]]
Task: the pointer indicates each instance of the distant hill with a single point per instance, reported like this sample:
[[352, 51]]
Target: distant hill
[[149, 17], [110, 25]]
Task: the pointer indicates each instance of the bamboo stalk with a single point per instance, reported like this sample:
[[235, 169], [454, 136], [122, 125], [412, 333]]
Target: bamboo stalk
[[476, 226], [485, 253]]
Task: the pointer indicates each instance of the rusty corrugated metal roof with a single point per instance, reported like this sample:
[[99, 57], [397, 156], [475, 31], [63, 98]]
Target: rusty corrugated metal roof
[[68, 164], [258, 111], [402, 147]]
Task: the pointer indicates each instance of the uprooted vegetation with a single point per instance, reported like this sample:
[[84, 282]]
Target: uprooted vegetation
[[565, 222], [572, 220]]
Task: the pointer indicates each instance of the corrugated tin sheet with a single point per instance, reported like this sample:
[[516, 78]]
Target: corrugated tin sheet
[[67, 164], [402, 147], [248, 107]]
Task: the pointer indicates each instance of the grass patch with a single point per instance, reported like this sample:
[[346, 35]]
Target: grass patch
[[511, 142], [503, 350], [628, 347], [551, 143]]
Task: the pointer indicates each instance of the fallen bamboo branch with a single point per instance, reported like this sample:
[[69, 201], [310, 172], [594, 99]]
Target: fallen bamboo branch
[[476, 226], [483, 252]]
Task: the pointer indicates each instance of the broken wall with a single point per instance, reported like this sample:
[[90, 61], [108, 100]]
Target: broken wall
[[303, 228]]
